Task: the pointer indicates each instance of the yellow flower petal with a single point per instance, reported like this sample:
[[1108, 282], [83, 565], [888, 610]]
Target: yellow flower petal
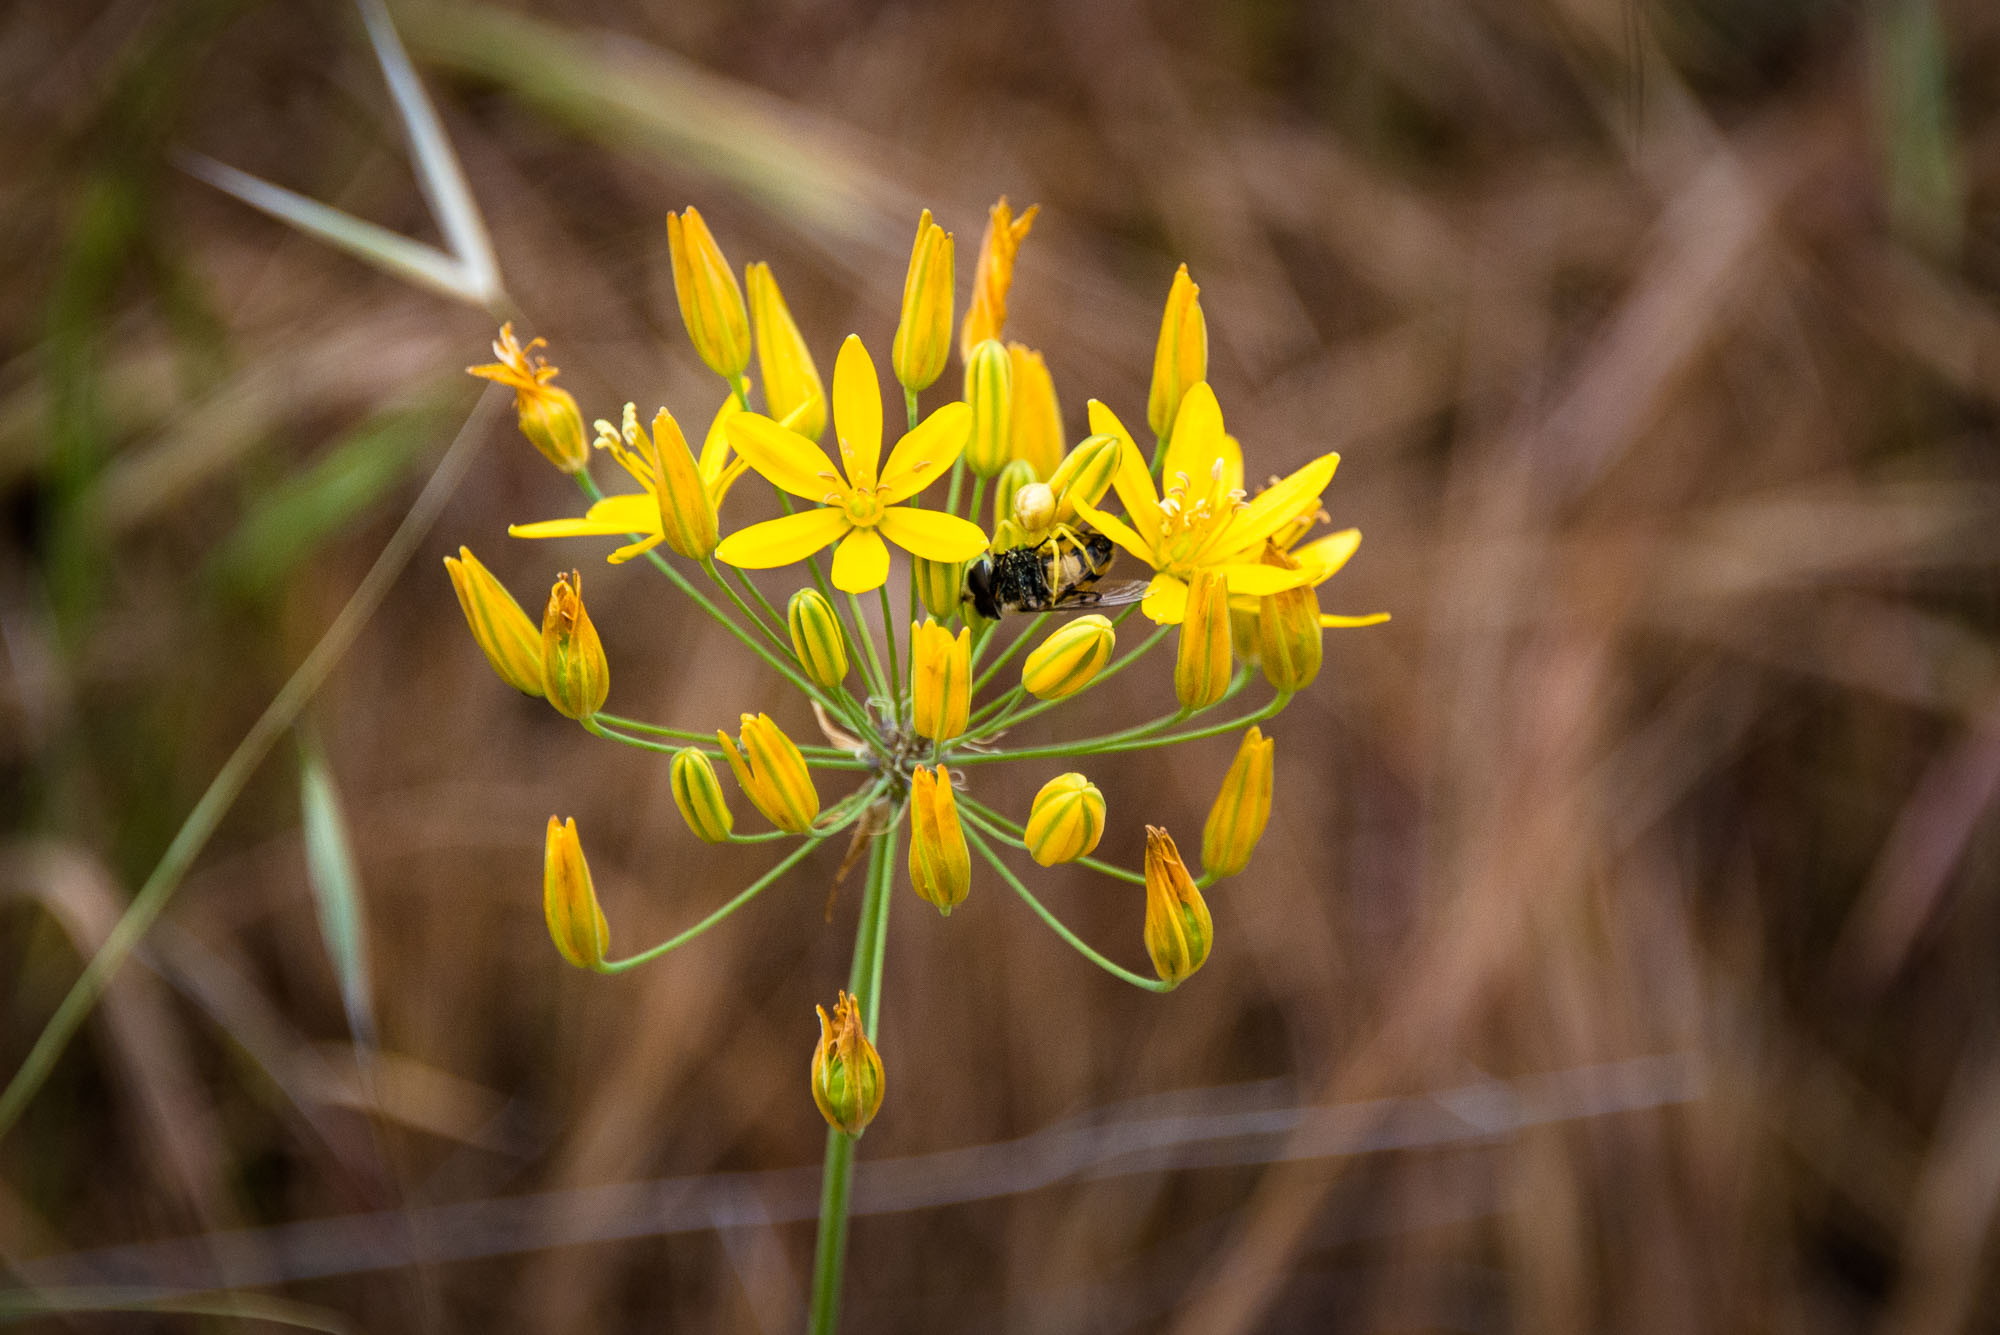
[[780, 542], [1166, 600], [1273, 508], [1328, 554], [787, 458], [1133, 480], [1115, 529], [922, 456], [1261, 581], [628, 512], [857, 413], [1199, 440], [933, 534], [1335, 622], [715, 445], [861, 562]]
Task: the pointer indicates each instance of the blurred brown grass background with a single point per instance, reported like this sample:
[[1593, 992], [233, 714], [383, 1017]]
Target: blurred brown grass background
[[1622, 954]]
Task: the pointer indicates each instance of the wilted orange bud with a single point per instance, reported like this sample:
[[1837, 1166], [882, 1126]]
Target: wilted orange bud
[[940, 680], [772, 773], [499, 626], [1066, 821], [575, 675], [1037, 429], [1180, 359], [923, 337], [569, 900], [987, 316], [1242, 809], [549, 416], [940, 867], [847, 1076], [1202, 665], [1178, 929], [792, 388], [711, 302]]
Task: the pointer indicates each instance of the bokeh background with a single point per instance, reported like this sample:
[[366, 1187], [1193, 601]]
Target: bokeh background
[[1622, 955]]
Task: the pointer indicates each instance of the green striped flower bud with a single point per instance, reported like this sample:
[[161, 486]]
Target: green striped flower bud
[[698, 793], [816, 638], [1069, 659], [1066, 820], [989, 389]]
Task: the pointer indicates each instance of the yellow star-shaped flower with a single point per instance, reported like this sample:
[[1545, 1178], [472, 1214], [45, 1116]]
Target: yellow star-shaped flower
[[859, 507]]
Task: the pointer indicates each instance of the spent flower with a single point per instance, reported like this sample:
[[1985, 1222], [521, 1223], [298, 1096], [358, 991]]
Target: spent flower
[[549, 416]]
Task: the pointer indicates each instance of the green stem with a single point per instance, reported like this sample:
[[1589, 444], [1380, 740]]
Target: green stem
[[889, 634], [910, 403], [1012, 832], [957, 476], [780, 631], [1132, 656], [878, 676], [1132, 739], [1007, 654], [978, 494], [1056, 924], [818, 757], [754, 889], [864, 980]]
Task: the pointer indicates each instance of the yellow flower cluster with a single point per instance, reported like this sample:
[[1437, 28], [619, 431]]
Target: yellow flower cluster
[[911, 718]]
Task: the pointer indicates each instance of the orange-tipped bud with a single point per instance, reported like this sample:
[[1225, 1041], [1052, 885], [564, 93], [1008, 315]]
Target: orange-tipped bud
[[987, 316], [1202, 665], [923, 337], [698, 793], [940, 867], [1178, 929], [847, 1077], [499, 626], [1242, 809], [711, 301], [940, 680], [1066, 820], [569, 900], [792, 389], [1070, 658], [1180, 359], [549, 416], [772, 773], [575, 675]]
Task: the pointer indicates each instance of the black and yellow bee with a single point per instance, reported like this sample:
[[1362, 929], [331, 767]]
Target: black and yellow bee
[[1059, 573]]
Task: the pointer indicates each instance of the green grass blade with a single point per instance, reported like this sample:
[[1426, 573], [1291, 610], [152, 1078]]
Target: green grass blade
[[336, 888]]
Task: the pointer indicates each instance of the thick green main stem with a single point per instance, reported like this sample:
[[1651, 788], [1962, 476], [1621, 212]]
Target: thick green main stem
[[864, 980]]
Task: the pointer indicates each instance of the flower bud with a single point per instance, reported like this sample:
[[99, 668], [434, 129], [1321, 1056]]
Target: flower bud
[[1178, 929], [772, 774], [941, 585], [1242, 809], [569, 901], [940, 867], [698, 793], [1243, 635], [499, 626], [687, 510], [792, 390], [711, 302], [1069, 659], [1084, 475], [989, 391], [1034, 507], [575, 675], [1288, 632], [1037, 429], [1180, 359], [923, 338], [1066, 820], [1202, 665], [940, 680], [987, 316], [846, 1070], [816, 638], [1017, 474], [549, 416]]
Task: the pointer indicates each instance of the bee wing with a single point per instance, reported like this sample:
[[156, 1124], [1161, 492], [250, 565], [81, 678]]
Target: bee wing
[[1114, 593]]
